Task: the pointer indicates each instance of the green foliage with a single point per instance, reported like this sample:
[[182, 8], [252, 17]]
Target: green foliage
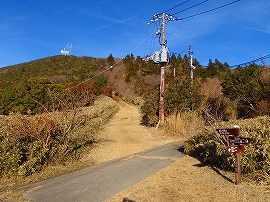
[[70, 68], [31, 96], [179, 64], [181, 94], [100, 81], [150, 107], [209, 147], [138, 67], [243, 85], [37, 95]]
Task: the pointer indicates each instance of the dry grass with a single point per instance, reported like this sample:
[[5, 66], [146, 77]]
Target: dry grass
[[187, 180], [184, 125], [95, 117]]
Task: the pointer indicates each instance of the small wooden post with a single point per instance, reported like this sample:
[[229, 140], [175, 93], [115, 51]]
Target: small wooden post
[[237, 167], [237, 157]]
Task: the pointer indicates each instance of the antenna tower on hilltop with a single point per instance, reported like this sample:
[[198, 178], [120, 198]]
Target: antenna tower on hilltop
[[67, 49]]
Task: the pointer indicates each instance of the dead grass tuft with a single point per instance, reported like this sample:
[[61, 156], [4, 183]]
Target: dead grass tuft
[[184, 124]]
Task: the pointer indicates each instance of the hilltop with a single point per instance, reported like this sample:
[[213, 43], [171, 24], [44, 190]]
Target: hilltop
[[58, 69]]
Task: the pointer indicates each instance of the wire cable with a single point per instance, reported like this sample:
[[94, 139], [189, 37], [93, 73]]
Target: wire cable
[[191, 16], [176, 29], [246, 63], [190, 7], [251, 62], [179, 53], [175, 7], [109, 67]]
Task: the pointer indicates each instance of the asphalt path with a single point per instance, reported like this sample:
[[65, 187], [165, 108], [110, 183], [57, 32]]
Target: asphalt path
[[102, 181]]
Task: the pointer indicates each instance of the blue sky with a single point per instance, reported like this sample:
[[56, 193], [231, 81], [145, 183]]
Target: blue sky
[[32, 29]]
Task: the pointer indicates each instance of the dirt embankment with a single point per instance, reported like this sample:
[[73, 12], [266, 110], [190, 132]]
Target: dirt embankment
[[184, 180]]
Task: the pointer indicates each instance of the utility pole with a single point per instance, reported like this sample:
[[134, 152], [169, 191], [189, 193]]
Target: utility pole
[[162, 73], [162, 58], [191, 67], [190, 52]]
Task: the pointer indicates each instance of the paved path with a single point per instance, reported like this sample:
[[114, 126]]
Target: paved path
[[99, 182]]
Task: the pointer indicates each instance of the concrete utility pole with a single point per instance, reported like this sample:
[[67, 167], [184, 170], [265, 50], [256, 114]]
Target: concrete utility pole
[[190, 52], [162, 58], [162, 74]]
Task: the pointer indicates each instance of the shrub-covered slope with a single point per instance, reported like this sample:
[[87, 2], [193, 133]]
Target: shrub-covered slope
[[56, 68], [209, 147]]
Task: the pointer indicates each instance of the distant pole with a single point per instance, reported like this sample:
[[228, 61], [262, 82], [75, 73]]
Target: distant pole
[[191, 68], [190, 52], [162, 75]]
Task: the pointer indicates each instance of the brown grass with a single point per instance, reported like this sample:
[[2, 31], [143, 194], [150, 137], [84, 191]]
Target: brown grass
[[187, 180], [95, 117], [184, 124]]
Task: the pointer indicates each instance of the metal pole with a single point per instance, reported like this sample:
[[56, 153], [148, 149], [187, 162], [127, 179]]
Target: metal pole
[[162, 76]]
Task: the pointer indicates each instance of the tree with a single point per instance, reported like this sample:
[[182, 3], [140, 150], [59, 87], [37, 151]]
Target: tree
[[181, 94], [217, 69], [110, 60], [243, 85]]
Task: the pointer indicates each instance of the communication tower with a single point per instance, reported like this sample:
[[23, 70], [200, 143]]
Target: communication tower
[[67, 49]]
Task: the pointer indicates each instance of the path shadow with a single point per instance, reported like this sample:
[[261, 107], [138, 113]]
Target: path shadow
[[181, 149], [216, 170], [127, 200]]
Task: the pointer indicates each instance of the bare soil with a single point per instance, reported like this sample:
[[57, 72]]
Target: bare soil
[[124, 135], [184, 180]]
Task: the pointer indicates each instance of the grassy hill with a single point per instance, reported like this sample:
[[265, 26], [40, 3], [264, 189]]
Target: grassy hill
[[58, 69]]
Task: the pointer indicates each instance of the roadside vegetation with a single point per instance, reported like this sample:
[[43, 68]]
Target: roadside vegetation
[[209, 147], [52, 107]]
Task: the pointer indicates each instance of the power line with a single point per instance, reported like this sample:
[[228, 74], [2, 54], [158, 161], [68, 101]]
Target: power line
[[250, 62], [109, 67], [213, 9], [175, 7], [246, 63], [180, 52], [190, 7]]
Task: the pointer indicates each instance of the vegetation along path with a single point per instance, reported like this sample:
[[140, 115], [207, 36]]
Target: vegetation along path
[[124, 140], [127, 154]]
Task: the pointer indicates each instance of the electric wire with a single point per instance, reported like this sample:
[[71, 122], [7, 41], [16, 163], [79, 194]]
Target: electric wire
[[190, 7], [175, 7], [176, 29], [251, 62], [179, 53], [213, 9], [109, 68], [246, 63], [146, 40]]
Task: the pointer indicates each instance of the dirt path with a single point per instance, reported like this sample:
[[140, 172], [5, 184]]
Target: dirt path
[[124, 136], [184, 180]]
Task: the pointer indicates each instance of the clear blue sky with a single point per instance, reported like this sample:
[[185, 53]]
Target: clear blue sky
[[32, 29]]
